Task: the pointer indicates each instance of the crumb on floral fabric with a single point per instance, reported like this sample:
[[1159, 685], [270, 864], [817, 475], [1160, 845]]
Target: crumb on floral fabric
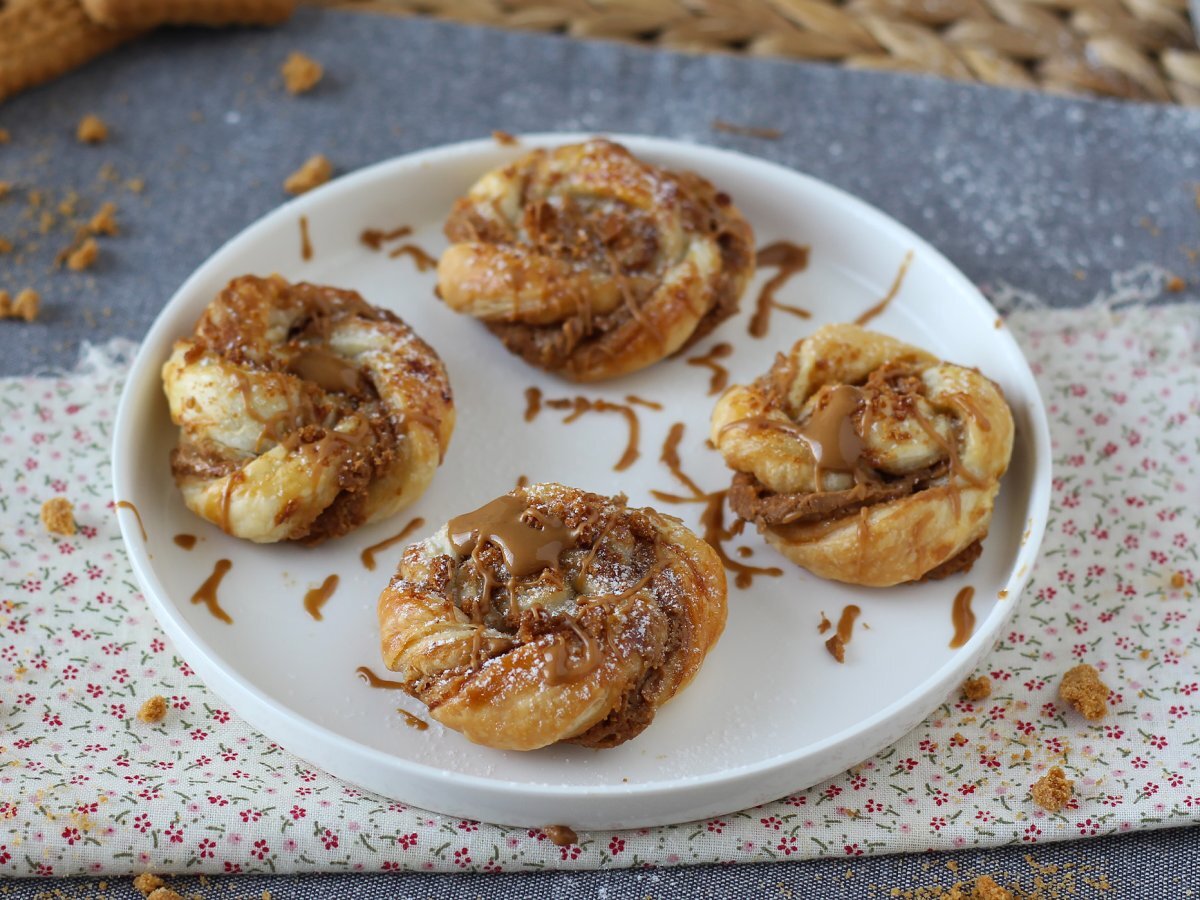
[[153, 710], [300, 73], [315, 172], [1082, 688], [1053, 790], [147, 883], [91, 130], [58, 515], [975, 689]]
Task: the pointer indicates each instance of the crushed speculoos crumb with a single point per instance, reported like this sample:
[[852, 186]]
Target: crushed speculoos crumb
[[25, 306], [83, 256], [300, 73], [104, 221], [1053, 790], [58, 515], [1176, 285], [164, 893], [975, 689], [315, 172], [1178, 580], [153, 710], [1082, 688], [136, 185], [147, 883], [837, 648], [986, 888], [91, 130]]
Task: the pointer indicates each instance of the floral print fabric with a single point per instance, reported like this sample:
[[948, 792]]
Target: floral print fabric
[[85, 788]]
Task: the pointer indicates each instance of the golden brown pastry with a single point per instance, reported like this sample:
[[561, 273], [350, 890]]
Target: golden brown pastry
[[866, 460], [304, 412], [588, 262], [551, 614]]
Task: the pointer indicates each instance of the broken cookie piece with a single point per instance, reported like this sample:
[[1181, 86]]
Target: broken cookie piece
[[1082, 688], [59, 516], [1053, 790]]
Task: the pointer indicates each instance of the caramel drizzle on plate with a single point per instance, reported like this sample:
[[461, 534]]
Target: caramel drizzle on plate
[[207, 594], [534, 402], [790, 259], [368, 555], [836, 645], [712, 519], [125, 504], [963, 617], [424, 261], [413, 721], [373, 680], [890, 295], [319, 596], [375, 238], [720, 375], [186, 541], [306, 248]]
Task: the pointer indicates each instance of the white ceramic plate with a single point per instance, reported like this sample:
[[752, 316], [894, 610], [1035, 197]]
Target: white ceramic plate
[[771, 711]]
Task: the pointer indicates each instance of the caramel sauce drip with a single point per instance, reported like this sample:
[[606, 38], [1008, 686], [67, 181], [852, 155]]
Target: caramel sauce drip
[[561, 835], [125, 504], [824, 624], [533, 403], [373, 680], [560, 669], [790, 259], [327, 371], [413, 721], [962, 617], [712, 519], [318, 597], [368, 555], [836, 645], [971, 408], [306, 249], [375, 238], [635, 400], [505, 522], [208, 591], [186, 541], [581, 405], [522, 481], [424, 261], [719, 379], [890, 295]]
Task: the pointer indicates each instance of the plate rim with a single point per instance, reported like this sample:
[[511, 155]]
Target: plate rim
[[193, 648]]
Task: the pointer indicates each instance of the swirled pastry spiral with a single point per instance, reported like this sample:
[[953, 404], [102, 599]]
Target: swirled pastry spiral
[[304, 412], [551, 614], [866, 460], [588, 262]]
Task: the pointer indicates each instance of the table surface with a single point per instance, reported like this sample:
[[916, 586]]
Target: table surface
[[1045, 194]]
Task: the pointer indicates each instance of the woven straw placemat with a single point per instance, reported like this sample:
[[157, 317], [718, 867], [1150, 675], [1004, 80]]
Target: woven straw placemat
[[1133, 49]]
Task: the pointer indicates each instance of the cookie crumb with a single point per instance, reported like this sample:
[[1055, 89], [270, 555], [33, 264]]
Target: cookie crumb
[[315, 172], [104, 221], [986, 888], [1082, 688], [83, 256], [164, 893], [300, 73], [5, 187], [1052, 791], [147, 883], [976, 689], [1176, 285], [153, 710], [137, 185], [837, 648], [91, 130], [504, 139], [5, 136], [25, 307], [58, 515], [5, 246], [1178, 580]]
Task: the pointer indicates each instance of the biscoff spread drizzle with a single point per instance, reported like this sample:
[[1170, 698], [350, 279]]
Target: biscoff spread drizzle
[[790, 259], [534, 402], [719, 379], [962, 616], [508, 523]]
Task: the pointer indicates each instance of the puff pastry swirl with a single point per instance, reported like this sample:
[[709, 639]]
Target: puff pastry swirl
[[866, 460], [303, 411], [552, 614], [591, 263]]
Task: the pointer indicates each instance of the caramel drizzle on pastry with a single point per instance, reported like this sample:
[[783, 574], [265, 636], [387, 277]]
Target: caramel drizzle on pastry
[[890, 295], [580, 405], [719, 379], [368, 554], [963, 617], [559, 668], [506, 523], [790, 259], [836, 645], [207, 594], [319, 596], [712, 518]]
